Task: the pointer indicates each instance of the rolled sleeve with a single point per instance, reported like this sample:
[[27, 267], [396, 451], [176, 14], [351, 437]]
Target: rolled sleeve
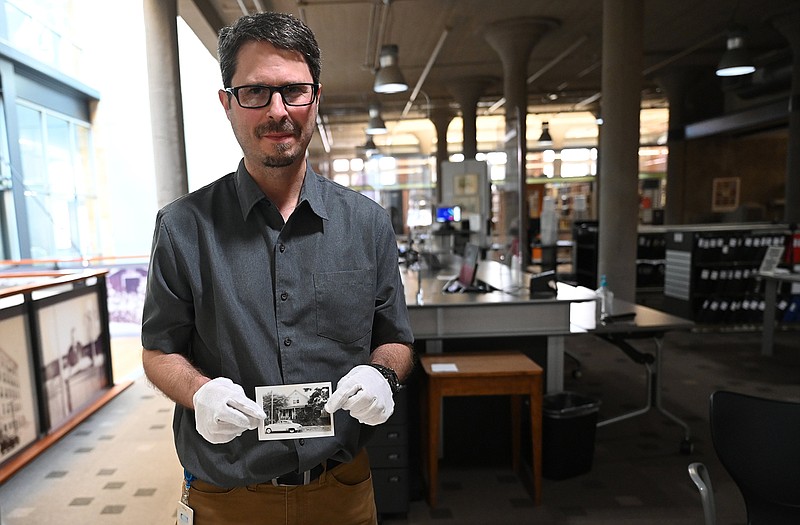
[[390, 324], [168, 315]]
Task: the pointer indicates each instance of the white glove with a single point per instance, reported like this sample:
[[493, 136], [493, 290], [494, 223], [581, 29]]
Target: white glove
[[223, 412], [365, 393]]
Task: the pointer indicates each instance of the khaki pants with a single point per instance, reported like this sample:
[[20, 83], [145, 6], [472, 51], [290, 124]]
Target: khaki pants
[[340, 496]]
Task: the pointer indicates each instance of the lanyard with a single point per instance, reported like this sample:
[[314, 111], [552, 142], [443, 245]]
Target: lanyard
[[188, 478]]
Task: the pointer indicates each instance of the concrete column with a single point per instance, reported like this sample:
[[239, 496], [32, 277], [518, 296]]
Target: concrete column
[[166, 109], [675, 83], [441, 118], [467, 91], [788, 23], [513, 40], [619, 145]]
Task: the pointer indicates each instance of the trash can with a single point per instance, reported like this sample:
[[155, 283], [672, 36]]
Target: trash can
[[568, 429]]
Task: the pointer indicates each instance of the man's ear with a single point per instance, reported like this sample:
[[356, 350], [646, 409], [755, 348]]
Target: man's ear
[[225, 99]]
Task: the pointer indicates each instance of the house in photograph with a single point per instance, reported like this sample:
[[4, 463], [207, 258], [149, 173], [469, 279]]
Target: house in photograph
[[11, 414]]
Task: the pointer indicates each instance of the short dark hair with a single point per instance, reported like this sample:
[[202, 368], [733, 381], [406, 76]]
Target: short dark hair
[[282, 30]]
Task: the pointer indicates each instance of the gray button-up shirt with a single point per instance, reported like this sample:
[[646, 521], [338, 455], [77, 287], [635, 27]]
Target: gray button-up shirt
[[246, 296]]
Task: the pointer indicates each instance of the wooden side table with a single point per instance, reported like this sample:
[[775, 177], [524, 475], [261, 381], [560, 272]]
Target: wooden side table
[[482, 374]]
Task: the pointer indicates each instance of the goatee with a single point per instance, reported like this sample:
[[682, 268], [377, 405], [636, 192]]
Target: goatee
[[284, 157], [279, 161]]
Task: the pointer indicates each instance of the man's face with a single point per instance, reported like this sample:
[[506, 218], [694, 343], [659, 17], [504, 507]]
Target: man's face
[[277, 135]]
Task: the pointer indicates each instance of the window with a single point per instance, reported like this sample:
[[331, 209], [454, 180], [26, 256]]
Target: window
[[8, 221], [58, 181]]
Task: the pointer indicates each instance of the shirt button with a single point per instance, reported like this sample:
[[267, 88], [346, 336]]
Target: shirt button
[[282, 248], [284, 296], [287, 341]]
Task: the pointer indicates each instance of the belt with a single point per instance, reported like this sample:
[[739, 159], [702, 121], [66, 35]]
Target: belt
[[294, 479]]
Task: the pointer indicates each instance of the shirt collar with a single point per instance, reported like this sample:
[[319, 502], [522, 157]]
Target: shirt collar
[[250, 194]]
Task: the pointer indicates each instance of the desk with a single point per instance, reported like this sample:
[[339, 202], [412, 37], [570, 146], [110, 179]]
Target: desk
[[483, 375], [771, 281], [436, 315], [645, 323]]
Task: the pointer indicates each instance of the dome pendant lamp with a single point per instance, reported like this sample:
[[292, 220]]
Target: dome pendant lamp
[[389, 78], [736, 60]]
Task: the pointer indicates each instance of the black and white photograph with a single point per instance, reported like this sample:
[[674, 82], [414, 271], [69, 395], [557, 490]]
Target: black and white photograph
[[126, 286], [73, 355], [18, 422], [295, 411]]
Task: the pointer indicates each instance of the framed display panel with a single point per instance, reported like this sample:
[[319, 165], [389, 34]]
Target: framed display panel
[[73, 340], [19, 422], [125, 285]]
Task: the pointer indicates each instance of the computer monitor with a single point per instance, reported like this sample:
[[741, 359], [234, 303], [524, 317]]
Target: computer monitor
[[469, 265], [448, 214], [465, 281]]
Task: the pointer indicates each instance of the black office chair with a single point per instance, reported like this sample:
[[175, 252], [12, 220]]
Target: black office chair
[[758, 442]]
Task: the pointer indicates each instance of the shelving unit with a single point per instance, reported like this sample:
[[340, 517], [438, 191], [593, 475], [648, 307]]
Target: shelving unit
[[584, 253], [650, 256], [711, 272]]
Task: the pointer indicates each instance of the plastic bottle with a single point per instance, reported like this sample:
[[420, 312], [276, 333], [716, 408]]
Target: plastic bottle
[[605, 299], [549, 222]]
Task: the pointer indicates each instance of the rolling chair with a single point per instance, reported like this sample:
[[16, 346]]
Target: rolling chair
[[758, 442]]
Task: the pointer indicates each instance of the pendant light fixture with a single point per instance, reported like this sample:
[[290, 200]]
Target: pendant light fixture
[[376, 125], [736, 60], [545, 139], [389, 78], [369, 149]]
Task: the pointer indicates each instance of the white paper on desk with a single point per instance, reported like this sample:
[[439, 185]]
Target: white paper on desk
[[444, 367]]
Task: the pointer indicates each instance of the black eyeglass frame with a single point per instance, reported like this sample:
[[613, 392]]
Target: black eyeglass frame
[[272, 90]]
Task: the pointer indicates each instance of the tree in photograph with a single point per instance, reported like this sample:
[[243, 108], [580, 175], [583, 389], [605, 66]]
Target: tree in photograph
[[273, 404], [313, 413]]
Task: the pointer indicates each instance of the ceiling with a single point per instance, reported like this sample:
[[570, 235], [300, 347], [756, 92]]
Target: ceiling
[[442, 42]]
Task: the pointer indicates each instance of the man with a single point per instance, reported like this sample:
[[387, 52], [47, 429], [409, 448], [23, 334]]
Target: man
[[273, 275]]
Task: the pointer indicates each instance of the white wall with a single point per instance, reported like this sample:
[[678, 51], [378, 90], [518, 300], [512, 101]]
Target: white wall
[[211, 148], [116, 66]]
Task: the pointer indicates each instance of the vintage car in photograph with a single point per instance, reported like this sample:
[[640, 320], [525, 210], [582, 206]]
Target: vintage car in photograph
[[283, 425]]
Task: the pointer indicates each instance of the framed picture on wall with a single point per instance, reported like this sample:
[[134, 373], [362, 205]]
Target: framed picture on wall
[[725, 194], [19, 421], [74, 351]]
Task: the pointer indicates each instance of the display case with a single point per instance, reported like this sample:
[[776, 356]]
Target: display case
[[55, 356]]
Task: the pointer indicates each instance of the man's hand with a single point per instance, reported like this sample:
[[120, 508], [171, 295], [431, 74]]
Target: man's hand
[[365, 393], [223, 412]]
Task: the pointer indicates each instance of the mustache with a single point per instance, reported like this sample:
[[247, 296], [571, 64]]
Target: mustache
[[275, 127]]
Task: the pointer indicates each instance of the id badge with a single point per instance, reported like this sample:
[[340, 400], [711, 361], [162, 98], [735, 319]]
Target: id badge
[[185, 514]]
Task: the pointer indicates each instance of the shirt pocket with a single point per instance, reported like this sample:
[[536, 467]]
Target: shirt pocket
[[345, 304]]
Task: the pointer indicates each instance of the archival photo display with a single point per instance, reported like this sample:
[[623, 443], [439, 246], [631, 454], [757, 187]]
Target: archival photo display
[[295, 411]]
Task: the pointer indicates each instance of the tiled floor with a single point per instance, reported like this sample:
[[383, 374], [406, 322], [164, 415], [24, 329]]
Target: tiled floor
[[119, 466]]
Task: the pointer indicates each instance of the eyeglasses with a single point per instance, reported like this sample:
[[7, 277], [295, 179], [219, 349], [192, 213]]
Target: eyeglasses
[[259, 96]]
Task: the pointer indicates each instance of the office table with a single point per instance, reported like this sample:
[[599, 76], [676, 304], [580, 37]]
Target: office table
[[771, 281], [497, 374], [436, 316], [508, 312], [633, 321]]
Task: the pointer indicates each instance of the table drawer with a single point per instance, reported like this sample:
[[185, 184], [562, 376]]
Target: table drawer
[[391, 488], [388, 457]]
